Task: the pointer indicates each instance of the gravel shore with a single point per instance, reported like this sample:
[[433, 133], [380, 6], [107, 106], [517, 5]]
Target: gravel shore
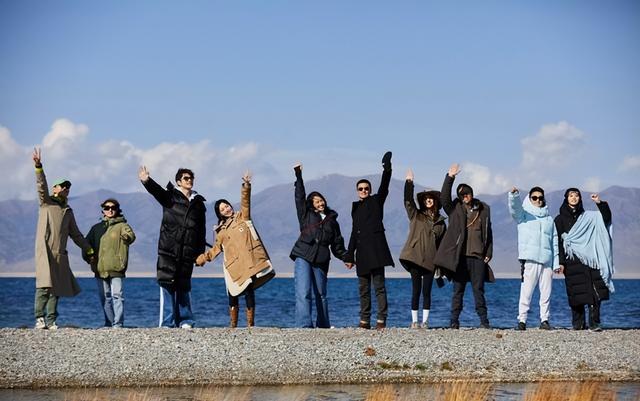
[[151, 357]]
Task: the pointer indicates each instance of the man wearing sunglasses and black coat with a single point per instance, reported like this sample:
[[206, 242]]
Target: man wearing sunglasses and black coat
[[368, 248]]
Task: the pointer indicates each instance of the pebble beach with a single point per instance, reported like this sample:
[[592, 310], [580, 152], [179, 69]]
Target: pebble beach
[[70, 357]]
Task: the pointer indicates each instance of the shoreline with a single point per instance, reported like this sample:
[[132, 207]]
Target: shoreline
[[72, 357]]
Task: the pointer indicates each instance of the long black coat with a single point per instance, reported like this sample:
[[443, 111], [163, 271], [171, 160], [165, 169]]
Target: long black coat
[[182, 235], [368, 247], [317, 235], [454, 240], [584, 284]]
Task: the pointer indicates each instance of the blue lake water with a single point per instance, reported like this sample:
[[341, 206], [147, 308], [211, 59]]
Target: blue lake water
[[276, 304]]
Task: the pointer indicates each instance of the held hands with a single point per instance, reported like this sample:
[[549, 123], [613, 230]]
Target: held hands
[[143, 174], [559, 270], [201, 260], [409, 175], [596, 198], [454, 170], [37, 157]]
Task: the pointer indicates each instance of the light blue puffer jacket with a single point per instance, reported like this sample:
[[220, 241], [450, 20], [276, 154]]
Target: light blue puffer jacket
[[537, 239]]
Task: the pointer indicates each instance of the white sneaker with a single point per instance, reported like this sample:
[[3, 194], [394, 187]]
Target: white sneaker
[[40, 324], [53, 326], [186, 326]]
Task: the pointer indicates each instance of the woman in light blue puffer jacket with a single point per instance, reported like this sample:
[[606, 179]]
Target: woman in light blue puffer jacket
[[537, 251]]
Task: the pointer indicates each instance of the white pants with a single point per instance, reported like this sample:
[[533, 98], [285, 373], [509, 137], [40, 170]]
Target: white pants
[[535, 274]]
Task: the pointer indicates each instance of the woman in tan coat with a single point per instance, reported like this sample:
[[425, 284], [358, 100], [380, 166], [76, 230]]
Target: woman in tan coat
[[56, 223], [246, 262]]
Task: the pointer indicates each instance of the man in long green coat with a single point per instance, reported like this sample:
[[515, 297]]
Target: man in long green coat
[[56, 223]]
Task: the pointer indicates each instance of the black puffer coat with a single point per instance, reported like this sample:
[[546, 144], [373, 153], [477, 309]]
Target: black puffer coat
[[453, 244], [182, 235], [584, 284], [317, 235], [368, 246]]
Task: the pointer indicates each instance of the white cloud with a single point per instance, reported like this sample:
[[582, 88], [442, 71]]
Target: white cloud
[[592, 184], [553, 146], [482, 180], [630, 163], [67, 151], [15, 161]]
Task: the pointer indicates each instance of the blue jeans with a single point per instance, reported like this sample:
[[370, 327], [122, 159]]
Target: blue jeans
[[112, 300], [175, 308], [308, 277]]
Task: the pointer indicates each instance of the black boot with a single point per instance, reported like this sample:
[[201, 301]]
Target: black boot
[[577, 317], [594, 317]]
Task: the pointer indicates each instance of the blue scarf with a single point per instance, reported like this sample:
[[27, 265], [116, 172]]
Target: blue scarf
[[589, 240]]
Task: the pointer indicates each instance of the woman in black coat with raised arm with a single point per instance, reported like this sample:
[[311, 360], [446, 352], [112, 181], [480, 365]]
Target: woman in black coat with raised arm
[[319, 236]]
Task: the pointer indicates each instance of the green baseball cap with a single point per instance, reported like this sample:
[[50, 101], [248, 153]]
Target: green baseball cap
[[63, 182]]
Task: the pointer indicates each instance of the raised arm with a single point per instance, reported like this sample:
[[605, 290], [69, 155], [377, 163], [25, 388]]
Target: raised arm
[[41, 179], [409, 203], [383, 191], [604, 208], [245, 195], [515, 205], [300, 194], [162, 195]]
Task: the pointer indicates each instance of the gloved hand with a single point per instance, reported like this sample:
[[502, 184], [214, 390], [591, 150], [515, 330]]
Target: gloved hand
[[386, 161]]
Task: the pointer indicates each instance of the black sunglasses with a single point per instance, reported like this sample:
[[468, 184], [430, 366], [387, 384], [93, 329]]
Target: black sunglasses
[[537, 198], [362, 189], [105, 208], [187, 178]]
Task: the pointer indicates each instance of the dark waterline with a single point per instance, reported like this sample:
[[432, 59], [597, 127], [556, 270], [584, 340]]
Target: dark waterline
[[276, 304]]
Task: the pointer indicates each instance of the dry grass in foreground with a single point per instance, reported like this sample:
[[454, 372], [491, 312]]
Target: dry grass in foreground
[[454, 391]]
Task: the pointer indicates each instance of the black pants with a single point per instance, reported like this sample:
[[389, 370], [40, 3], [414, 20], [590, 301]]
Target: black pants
[[249, 297], [421, 280], [364, 286], [577, 316], [474, 270]]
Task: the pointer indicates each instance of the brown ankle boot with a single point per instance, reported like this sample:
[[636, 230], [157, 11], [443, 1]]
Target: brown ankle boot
[[233, 312], [251, 313]]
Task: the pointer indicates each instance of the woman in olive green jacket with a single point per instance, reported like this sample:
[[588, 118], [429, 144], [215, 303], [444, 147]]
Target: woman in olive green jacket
[[111, 238], [426, 229]]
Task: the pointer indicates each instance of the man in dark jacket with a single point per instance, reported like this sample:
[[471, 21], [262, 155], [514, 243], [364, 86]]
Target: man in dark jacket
[[467, 246], [368, 247], [182, 239]]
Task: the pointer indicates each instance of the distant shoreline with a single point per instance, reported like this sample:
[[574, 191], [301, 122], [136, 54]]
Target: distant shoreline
[[72, 357]]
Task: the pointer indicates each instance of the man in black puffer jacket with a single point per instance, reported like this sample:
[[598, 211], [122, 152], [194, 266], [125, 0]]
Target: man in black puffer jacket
[[182, 239]]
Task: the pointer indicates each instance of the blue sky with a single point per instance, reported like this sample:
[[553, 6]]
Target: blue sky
[[520, 93]]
